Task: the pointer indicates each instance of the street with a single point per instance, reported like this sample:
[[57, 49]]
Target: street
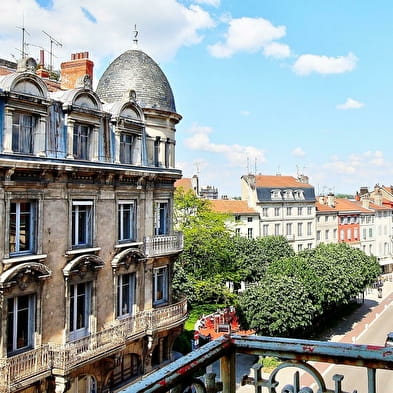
[[356, 377]]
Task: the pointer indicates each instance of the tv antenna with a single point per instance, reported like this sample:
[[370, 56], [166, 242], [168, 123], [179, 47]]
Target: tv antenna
[[136, 32], [197, 166], [24, 44], [51, 55]]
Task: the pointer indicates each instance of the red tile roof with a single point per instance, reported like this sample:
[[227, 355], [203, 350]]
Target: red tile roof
[[324, 208], [184, 183], [343, 204], [231, 206], [279, 181]]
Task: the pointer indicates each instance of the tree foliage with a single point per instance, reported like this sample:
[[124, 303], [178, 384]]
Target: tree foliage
[[276, 307], [298, 289], [251, 257], [205, 264]]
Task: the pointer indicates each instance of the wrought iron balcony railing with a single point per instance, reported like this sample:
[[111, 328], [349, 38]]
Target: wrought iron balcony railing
[[297, 372], [25, 368], [163, 244]]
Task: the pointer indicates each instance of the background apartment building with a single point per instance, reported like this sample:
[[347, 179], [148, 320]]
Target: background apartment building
[[286, 207], [86, 238]]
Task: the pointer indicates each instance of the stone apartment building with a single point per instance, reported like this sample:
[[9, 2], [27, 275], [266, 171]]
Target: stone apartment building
[[86, 238], [286, 207]]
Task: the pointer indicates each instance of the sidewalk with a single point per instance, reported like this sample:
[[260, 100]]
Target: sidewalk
[[350, 328]]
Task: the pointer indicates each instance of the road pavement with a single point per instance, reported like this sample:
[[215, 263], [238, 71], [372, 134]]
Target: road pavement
[[350, 329]]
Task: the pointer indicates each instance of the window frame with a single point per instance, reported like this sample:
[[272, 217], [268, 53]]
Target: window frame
[[126, 148], [128, 290], [81, 143], [24, 137], [160, 280], [122, 221], [31, 231], [31, 327], [75, 224], [75, 332], [161, 217]]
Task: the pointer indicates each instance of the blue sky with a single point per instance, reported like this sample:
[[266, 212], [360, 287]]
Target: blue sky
[[272, 86]]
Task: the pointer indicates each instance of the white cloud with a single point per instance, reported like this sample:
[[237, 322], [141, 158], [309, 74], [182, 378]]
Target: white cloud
[[237, 155], [361, 165], [164, 27], [250, 35], [245, 113], [277, 50], [307, 64], [298, 152], [350, 104], [214, 3]]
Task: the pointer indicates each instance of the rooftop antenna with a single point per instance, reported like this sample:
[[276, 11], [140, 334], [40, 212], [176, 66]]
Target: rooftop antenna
[[135, 40], [255, 166], [197, 168], [24, 31], [52, 41], [248, 165]]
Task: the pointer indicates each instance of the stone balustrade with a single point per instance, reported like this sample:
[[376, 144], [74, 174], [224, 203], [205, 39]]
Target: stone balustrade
[[20, 370], [163, 244], [24, 368]]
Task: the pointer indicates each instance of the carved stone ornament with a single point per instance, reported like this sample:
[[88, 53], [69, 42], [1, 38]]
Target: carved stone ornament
[[83, 265], [127, 258], [23, 275], [87, 83], [132, 95]]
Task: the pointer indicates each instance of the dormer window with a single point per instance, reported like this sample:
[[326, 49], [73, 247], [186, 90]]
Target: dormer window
[[275, 194], [299, 194], [127, 142], [23, 126], [288, 194], [81, 142]]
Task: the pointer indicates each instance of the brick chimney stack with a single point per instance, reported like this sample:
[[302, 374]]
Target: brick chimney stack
[[73, 70], [41, 71]]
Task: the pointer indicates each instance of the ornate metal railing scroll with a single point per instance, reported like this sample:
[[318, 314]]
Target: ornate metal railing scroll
[[293, 354]]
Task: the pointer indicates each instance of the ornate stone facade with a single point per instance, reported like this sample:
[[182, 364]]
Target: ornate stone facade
[[86, 237]]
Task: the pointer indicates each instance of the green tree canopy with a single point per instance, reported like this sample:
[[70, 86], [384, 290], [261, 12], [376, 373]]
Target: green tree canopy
[[276, 307], [329, 275]]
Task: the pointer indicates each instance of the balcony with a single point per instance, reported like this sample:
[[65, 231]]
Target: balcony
[[163, 244], [21, 370], [296, 373]]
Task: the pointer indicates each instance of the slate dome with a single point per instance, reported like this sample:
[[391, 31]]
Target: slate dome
[[135, 70]]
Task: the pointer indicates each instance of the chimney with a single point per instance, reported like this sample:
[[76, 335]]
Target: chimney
[[303, 179], [330, 200], [41, 71], [363, 190], [366, 202], [378, 198], [321, 199], [74, 70]]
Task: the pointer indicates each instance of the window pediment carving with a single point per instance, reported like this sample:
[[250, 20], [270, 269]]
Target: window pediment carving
[[23, 275], [86, 101], [128, 257], [131, 113], [83, 266], [28, 87]]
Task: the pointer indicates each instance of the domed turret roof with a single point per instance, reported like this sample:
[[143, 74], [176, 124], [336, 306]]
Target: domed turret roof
[[135, 70]]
